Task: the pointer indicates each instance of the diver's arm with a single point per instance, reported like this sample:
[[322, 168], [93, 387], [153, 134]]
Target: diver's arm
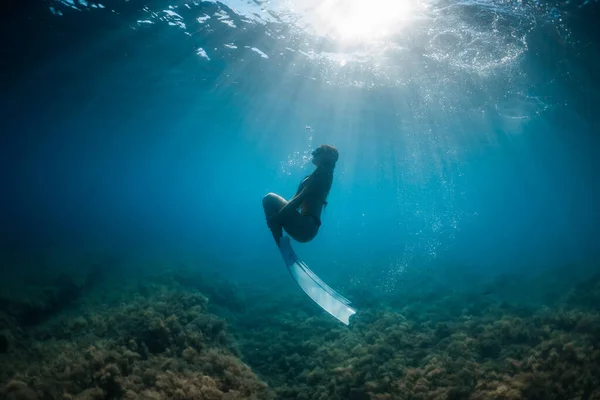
[[294, 204]]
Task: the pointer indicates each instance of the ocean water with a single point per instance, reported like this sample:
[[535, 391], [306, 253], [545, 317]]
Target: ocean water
[[138, 139]]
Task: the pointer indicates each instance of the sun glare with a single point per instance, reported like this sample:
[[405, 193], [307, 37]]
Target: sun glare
[[363, 20]]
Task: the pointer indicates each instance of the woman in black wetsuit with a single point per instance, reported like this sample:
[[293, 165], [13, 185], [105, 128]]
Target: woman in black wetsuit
[[310, 199]]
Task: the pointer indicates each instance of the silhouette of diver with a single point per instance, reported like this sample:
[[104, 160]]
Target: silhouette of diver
[[310, 198]]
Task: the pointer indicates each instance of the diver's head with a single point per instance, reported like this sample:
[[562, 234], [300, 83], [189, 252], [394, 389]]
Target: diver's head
[[325, 156]]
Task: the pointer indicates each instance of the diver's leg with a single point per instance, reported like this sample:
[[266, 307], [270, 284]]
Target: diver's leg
[[272, 204], [302, 228]]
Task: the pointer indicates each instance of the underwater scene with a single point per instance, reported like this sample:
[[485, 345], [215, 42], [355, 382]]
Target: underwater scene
[[300, 199]]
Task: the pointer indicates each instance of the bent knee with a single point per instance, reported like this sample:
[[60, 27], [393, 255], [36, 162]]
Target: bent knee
[[272, 203], [268, 199]]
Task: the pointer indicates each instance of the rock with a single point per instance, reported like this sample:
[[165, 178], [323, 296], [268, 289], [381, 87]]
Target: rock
[[17, 390], [3, 343]]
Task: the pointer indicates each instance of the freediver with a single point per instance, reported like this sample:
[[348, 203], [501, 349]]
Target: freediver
[[310, 198]]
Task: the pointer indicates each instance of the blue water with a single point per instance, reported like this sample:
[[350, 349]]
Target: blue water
[[472, 149], [139, 138]]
